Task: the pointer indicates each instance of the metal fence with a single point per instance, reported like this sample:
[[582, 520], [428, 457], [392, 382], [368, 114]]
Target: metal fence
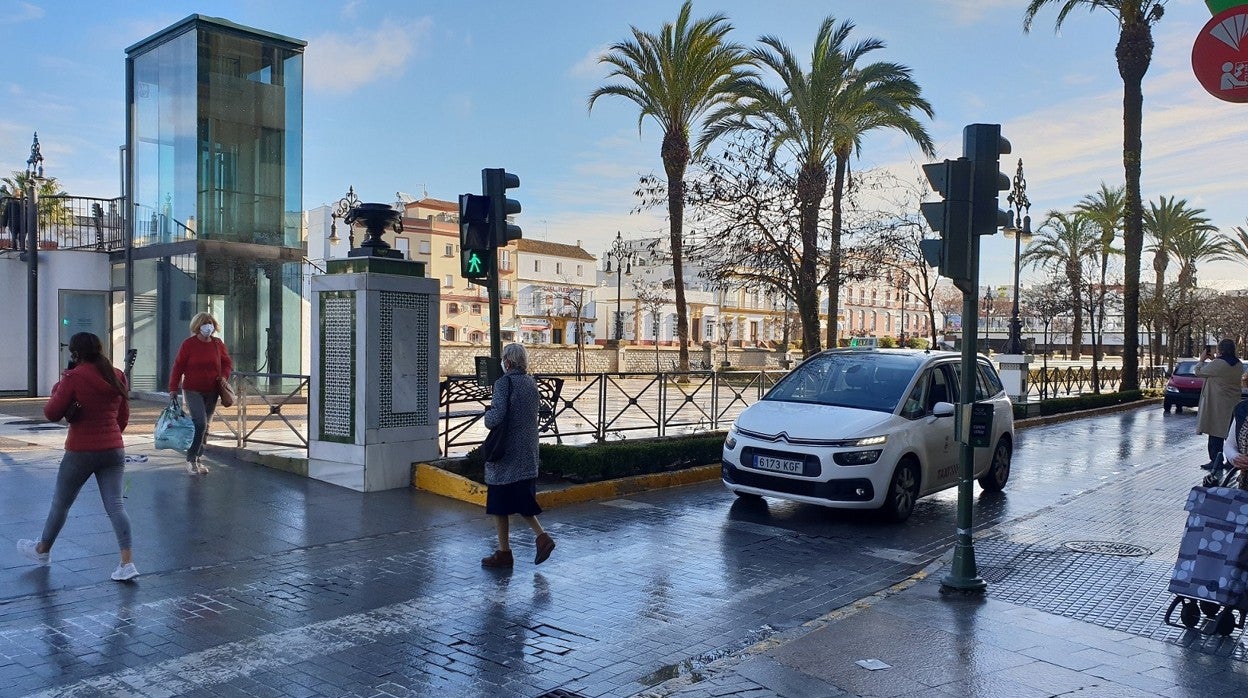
[[80, 223], [1074, 380], [272, 409]]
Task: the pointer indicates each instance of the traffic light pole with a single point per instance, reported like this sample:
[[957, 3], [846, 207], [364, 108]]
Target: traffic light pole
[[963, 574], [496, 313]]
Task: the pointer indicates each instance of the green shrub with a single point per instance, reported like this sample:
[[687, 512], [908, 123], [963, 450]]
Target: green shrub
[[612, 459], [1062, 405]]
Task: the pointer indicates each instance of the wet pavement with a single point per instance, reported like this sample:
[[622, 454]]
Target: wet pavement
[[258, 582]]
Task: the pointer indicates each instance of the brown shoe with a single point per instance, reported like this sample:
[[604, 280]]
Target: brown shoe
[[500, 558], [545, 545]]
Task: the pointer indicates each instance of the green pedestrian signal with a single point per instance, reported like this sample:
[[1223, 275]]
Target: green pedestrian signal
[[475, 264]]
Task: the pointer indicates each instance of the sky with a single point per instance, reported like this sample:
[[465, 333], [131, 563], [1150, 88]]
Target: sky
[[417, 96]]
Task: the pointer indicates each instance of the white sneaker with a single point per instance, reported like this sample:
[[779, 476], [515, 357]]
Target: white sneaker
[[190, 468], [26, 547], [125, 573], [203, 469]]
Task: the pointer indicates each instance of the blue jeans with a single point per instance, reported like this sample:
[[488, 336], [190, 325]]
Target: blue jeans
[[200, 406], [76, 468]]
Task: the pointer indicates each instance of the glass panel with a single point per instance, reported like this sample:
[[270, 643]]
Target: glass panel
[[164, 142]]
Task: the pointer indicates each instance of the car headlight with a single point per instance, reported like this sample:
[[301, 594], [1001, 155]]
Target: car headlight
[[730, 441], [857, 457], [868, 441], [1171, 389]]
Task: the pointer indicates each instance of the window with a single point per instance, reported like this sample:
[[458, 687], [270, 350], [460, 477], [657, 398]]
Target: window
[[424, 247], [558, 267], [580, 270], [504, 260], [452, 308], [448, 333], [448, 281], [537, 265], [448, 250], [475, 308]]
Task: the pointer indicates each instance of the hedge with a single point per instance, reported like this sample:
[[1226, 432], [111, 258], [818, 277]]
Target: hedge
[[612, 459], [1062, 405]]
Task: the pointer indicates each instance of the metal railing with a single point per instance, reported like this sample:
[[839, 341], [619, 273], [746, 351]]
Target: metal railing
[[270, 409], [78, 223], [1075, 380]]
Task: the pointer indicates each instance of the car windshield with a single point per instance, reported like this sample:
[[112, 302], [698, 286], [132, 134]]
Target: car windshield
[[1185, 368], [863, 380]]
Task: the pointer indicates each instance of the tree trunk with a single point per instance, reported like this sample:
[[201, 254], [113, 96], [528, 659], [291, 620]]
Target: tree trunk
[[675, 158], [834, 250], [1134, 53], [811, 183]]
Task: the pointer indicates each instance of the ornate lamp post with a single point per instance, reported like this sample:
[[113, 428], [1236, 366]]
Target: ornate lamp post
[[987, 314], [34, 175], [624, 257], [340, 211], [1022, 215]]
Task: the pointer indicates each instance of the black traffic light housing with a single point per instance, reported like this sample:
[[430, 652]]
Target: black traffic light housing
[[983, 145], [476, 252], [495, 182], [951, 218]]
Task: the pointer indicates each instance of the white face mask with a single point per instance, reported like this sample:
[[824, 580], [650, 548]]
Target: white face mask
[[206, 330]]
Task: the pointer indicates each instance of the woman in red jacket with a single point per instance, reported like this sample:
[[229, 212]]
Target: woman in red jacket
[[93, 397], [201, 361]]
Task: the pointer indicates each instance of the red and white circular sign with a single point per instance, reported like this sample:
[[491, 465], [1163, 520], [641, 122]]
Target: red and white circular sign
[[1220, 55]]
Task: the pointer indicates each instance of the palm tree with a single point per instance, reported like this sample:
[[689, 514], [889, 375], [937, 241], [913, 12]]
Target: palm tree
[[676, 77], [1061, 245], [1134, 53], [821, 116], [1104, 210], [1165, 221]]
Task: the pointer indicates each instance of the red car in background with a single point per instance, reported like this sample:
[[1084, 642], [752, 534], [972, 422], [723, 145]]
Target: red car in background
[[1183, 388]]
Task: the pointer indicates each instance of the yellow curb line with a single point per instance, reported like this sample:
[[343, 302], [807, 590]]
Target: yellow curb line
[[430, 478]]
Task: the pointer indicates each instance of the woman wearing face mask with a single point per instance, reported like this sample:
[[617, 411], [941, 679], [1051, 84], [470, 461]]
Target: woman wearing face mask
[[201, 360]]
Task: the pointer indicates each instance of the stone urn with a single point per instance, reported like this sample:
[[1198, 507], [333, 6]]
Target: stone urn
[[375, 218]]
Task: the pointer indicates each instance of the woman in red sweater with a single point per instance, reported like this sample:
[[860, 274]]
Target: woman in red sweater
[[93, 397], [201, 360]]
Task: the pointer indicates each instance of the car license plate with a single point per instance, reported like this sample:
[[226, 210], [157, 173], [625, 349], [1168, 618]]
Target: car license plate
[[782, 465]]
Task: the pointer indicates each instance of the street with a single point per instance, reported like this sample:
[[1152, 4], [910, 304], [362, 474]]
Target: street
[[257, 582]]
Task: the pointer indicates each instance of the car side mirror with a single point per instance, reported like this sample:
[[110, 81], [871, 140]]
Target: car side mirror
[[943, 409]]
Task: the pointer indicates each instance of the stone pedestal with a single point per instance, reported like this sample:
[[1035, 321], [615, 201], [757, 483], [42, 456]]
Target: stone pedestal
[[374, 388], [1013, 369]]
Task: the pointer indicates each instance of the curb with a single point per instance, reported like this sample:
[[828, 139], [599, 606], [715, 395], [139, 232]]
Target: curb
[[437, 481]]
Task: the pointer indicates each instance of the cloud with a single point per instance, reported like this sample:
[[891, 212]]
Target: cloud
[[17, 12], [588, 66], [344, 61]]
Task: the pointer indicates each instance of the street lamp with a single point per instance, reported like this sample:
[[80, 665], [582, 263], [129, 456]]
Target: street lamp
[[987, 314], [341, 209], [624, 257], [1022, 214], [34, 177]]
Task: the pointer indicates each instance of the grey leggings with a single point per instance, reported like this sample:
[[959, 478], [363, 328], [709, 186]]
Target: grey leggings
[[201, 406], [76, 468]]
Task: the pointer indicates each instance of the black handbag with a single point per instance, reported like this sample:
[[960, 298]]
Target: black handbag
[[73, 411], [494, 448]]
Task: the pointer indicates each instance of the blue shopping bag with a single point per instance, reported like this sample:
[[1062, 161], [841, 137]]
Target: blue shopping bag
[[174, 429]]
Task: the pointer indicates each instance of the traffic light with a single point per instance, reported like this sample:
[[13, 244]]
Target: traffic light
[[950, 218], [475, 249], [495, 182], [983, 145]]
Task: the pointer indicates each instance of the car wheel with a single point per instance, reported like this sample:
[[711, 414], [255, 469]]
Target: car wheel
[[903, 491], [999, 471]]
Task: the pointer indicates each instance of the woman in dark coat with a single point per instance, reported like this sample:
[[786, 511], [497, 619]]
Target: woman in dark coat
[[511, 481]]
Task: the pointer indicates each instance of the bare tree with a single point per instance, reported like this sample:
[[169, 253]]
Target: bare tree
[[570, 300], [652, 298]]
